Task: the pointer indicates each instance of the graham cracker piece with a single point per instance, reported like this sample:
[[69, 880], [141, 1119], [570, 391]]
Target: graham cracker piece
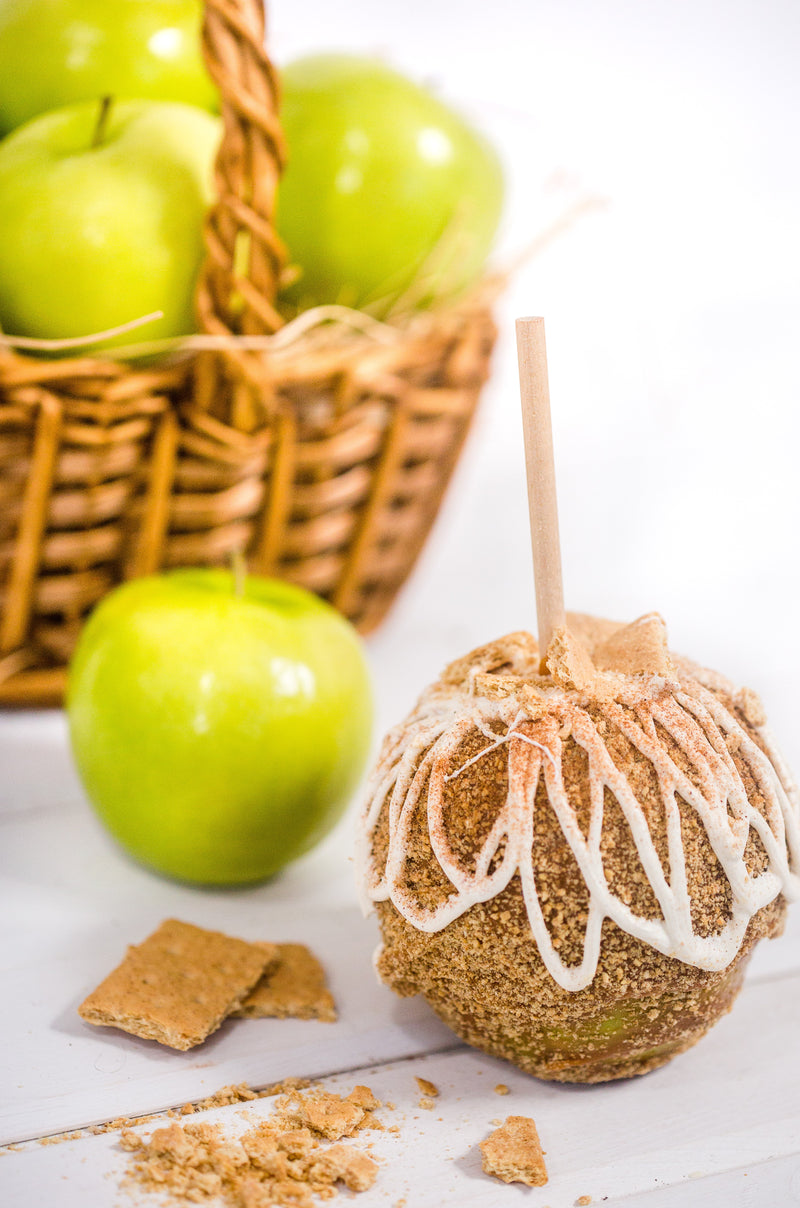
[[293, 988], [331, 1116], [342, 1163], [178, 985], [637, 649], [514, 1154], [570, 663], [363, 1097], [518, 651]]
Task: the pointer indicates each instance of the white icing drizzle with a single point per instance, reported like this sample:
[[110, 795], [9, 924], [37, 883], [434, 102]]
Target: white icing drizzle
[[421, 752]]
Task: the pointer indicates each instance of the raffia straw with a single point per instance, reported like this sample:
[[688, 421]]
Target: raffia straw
[[34, 344], [347, 320], [540, 470]]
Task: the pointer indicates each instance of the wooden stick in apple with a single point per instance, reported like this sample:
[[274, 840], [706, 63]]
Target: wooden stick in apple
[[540, 470]]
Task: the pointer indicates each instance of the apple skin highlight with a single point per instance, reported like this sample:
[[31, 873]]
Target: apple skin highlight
[[218, 736]]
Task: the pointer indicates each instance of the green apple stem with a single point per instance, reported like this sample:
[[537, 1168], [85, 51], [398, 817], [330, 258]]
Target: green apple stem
[[239, 568], [102, 121]]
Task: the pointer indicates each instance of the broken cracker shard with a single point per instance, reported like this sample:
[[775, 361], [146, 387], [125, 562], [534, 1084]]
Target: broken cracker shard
[[514, 1153], [294, 986]]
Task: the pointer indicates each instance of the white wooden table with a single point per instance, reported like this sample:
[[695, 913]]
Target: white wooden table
[[672, 320], [720, 1124]]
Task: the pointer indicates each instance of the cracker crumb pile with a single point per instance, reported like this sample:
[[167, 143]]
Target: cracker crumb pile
[[328, 1114], [279, 1163], [514, 1153], [183, 981]]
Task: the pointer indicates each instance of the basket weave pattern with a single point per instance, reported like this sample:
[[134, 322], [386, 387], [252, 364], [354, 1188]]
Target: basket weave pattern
[[324, 458]]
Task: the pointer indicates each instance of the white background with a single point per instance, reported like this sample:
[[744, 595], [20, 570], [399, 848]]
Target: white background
[[672, 313]]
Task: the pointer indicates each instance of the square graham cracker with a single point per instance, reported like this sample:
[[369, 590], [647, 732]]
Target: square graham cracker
[[293, 988], [178, 985]]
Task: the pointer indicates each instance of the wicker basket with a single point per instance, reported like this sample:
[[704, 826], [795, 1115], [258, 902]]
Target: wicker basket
[[323, 455]]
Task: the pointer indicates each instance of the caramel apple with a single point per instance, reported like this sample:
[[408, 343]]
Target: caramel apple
[[573, 860]]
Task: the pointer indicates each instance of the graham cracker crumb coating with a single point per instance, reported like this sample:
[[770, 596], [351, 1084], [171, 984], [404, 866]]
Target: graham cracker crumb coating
[[179, 985]]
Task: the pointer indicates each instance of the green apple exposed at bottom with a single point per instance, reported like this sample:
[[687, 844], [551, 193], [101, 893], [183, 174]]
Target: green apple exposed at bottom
[[218, 735]]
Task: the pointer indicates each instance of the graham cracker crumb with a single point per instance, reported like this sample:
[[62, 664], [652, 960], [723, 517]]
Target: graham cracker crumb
[[58, 1138], [294, 987], [428, 1088], [582, 1201], [514, 1154], [501, 1089], [177, 986]]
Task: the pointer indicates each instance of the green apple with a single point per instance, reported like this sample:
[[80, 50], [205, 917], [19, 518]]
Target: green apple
[[218, 735], [104, 225], [384, 182], [55, 52]]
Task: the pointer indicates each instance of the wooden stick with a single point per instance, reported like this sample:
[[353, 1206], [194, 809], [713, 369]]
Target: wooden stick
[[540, 469]]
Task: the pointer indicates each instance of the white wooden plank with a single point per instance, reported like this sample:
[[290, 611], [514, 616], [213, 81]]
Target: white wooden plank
[[771, 1184], [59, 1073], [66, 915], [719, 1126]]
